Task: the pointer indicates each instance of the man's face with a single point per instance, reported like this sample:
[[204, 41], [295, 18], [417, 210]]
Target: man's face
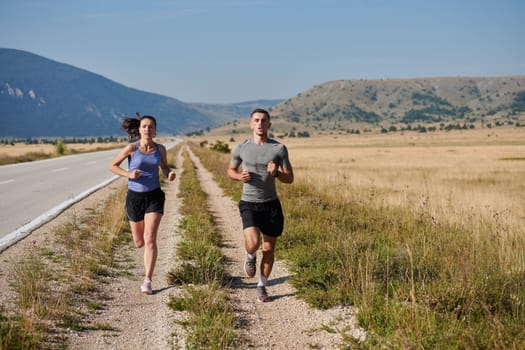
[[259, 123]]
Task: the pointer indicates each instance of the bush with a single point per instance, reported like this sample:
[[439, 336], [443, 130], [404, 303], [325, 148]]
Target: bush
[[60, 147], [220, 146]]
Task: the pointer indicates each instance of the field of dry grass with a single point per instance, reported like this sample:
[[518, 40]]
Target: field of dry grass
[[19, 149], [465, 178], [422, 231]]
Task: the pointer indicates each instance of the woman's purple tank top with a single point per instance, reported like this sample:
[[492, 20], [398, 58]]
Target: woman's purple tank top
[[148, 164]]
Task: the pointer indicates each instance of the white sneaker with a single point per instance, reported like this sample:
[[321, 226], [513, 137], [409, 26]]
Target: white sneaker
[[146, 287]]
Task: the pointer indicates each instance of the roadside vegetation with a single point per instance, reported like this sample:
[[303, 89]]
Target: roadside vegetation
[[56, 287], [45, 149], [211, 322], [418, 279], [27, 157]]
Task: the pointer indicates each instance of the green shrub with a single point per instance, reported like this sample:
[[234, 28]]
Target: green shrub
[[220, 146], [60, 147]]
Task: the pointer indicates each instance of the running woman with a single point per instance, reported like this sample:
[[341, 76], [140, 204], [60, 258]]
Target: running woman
[[145, 199]]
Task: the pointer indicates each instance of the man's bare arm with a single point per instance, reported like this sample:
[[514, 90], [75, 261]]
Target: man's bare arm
[[233, 173]]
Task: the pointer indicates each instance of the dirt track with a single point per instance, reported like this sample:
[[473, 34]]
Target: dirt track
[[140, 321]]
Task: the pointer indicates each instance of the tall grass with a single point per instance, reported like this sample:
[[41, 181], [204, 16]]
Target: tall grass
[[20, 153], [419, 281], [28, 157], [15, 334], [211, 322], [56, 286]]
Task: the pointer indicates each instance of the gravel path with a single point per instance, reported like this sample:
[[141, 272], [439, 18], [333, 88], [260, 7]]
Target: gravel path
[[145, 322], [286, 322]]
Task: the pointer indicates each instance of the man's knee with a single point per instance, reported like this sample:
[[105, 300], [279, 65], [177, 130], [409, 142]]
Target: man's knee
[[268, 249], [252, 237]]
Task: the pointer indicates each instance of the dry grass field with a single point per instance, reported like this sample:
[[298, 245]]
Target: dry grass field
[[422, 231], [20, 149], [463, 177], [466, 178]]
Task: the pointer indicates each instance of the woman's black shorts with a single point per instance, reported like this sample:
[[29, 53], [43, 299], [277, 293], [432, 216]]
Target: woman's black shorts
[[267, 216], [140, 203]]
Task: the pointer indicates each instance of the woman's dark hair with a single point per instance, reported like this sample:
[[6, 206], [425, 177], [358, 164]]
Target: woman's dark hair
[[131, 126]]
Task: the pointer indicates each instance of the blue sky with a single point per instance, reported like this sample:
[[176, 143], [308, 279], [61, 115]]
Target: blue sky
[[230, 50]]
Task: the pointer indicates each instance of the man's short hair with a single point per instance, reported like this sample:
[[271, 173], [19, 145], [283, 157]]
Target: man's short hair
[[260, 110]]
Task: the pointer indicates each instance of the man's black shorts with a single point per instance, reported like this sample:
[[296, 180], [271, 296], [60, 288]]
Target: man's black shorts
[[267, 216], [140, 203]]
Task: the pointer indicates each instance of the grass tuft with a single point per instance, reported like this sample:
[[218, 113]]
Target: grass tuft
[[211, 324], [211, 321]]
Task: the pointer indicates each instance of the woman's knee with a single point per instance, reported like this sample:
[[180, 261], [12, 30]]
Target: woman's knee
[[137, 231], [150, 241], [139, 243]]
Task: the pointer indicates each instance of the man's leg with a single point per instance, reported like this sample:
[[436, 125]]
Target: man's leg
[[268, 250], [252, 239], [251, 244]]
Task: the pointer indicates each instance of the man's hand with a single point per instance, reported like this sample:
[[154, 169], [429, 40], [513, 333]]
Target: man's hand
[[245, 176], [272, 168]]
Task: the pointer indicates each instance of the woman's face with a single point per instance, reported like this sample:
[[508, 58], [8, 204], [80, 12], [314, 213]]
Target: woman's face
[[147, 128]]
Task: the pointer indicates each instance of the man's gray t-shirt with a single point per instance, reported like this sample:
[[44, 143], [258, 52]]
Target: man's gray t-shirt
[[255, 159]]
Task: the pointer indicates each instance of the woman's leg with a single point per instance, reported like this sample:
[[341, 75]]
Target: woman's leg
[[151, 225], [137, 230]]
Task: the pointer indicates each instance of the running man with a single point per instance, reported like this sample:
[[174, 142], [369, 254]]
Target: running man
[[263, 160]]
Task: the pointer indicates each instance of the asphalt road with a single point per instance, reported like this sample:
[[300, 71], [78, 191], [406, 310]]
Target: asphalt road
[[33, 193]]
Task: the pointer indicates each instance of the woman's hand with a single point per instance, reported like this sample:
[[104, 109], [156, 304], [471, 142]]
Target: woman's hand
[[134, 174]]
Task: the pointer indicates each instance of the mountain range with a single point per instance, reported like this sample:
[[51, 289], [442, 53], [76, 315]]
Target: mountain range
[[44, 98], [40, 97]]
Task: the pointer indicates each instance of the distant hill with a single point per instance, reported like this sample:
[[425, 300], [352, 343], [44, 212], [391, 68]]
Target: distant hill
[[423, 104], [225, 113], [394, 104], [41, 97]]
